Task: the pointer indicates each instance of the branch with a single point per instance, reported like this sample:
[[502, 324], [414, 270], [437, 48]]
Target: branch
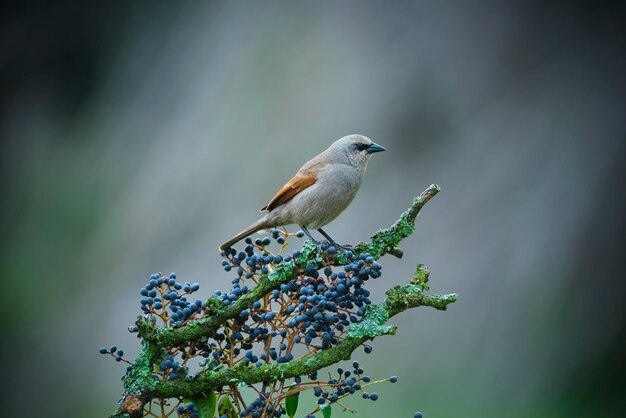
[[141, 386], [386, 241], [372, 325], [382, 242]]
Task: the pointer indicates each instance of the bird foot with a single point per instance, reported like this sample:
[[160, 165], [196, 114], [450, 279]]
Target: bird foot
[[345, 247], [339, 247], [320, 246], [325, 246]]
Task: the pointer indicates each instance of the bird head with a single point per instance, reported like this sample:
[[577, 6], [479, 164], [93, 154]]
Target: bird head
[[356, 148]]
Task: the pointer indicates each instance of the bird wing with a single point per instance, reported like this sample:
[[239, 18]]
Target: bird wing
[[299, 182]]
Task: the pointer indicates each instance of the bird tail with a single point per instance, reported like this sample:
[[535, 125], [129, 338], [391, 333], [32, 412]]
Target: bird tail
[[257, 226]]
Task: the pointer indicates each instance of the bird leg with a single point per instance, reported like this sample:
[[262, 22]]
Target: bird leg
[[346, 247], [308, 234]]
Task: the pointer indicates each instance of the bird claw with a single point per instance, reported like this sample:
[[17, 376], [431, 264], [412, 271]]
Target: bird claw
[[320, 246], [345, 247], [324, 246]]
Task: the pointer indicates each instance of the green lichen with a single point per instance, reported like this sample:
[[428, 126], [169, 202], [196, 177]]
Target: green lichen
[[386, 240], [308, 252], [140, 378], [420, 277], [399, 297], [439, 302], [279, 274], [373, 323], [213, 305]]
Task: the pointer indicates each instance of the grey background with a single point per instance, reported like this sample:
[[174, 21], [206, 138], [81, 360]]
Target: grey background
[[137, 137]]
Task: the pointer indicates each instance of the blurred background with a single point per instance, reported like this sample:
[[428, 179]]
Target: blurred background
[[136, 137]]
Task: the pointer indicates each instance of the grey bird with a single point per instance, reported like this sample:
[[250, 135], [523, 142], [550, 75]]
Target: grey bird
[[320, 190]]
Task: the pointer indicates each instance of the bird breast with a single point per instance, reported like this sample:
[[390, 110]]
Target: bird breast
[[319, 204]]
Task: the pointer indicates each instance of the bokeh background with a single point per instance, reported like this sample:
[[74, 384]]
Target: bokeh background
[[137, 136]]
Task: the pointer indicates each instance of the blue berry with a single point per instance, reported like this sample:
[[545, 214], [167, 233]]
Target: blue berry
[[103, 350], [418, 414]]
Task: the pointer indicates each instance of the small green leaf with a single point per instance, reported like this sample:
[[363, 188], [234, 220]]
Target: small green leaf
[[326, 411], [226, 407], [205, 404], [291, 404]]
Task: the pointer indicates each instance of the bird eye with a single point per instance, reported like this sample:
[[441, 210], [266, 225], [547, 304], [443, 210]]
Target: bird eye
[[361, 147]]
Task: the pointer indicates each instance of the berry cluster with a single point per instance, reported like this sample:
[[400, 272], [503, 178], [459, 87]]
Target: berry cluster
[[314, 308], [114, 351], [347, 383], [260, 407], [166, 298], [118, 354], [308, 314], [172, 368], [187, 410]]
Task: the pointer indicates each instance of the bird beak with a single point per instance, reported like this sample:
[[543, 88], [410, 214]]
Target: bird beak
[[374, 148]]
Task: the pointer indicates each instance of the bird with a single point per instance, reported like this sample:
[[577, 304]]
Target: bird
[[320, 190]]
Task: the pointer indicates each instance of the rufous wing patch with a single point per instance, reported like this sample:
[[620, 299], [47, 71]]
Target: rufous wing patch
[[294, 186]]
